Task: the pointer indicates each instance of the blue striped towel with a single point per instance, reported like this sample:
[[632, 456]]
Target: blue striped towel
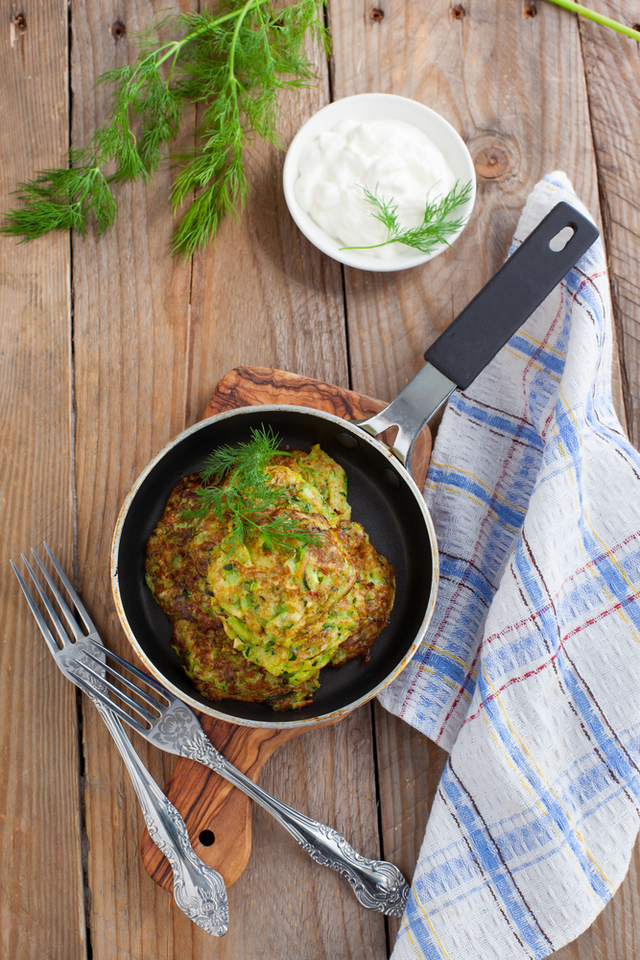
[[529, 675]]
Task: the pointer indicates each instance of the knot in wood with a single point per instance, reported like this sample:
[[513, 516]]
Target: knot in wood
[[118, 30], [457, 12], [529, 11], [493, 161], [376, 14], [355, 735], [20, 23]]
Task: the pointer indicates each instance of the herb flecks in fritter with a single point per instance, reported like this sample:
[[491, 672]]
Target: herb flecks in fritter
[[256, 617]]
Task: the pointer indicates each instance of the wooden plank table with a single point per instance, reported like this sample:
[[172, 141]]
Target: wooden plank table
[[110, 348]]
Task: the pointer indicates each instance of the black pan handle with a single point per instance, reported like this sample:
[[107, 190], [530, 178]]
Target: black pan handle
[[485, 324], [510, 297]]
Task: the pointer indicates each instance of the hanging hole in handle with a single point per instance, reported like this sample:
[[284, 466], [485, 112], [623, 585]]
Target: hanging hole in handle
[[562, 238]]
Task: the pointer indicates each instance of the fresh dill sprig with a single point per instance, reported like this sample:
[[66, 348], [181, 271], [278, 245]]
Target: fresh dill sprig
[[231, 64], [236, 489], [61, 200], [436, 225]]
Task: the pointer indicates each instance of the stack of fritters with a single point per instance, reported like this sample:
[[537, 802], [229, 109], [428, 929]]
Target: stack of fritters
[[257, 623]]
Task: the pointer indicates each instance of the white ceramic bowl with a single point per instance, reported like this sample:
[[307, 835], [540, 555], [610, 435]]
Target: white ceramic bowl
[[377, 106]]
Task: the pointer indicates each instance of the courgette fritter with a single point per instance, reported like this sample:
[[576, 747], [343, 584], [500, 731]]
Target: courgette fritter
[[255, 623]]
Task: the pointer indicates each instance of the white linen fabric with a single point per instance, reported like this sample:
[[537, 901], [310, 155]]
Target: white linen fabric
[[529, 674]]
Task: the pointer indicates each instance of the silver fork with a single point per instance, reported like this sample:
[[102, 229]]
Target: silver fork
[[171, 725], [198, 890]]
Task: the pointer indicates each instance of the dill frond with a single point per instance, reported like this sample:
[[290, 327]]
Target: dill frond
[[236, 489], [437, 224], [62, 200], [232, 65]]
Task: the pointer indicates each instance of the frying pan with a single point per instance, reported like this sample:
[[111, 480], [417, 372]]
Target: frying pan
[[382, 493]]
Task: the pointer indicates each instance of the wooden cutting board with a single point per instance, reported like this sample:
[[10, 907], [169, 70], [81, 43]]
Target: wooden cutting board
[[217, 815]]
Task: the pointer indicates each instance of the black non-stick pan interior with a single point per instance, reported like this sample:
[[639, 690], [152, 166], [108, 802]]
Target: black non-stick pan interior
[[382, 501]]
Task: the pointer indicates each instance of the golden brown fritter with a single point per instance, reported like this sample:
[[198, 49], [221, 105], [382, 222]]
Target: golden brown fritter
[[258, 624], [219, 672]]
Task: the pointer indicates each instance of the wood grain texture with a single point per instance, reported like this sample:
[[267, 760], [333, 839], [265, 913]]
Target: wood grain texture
[[149, 337], [131, 334], [248, 386], [409, 770], [42, 905], [251, 386]]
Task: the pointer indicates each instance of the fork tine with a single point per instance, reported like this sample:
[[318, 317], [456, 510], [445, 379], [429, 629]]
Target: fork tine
[[63, 636], [151, 717], [96, 694], [149, 698], [62, 604], [88, 622], [42, 623], [150, 681]]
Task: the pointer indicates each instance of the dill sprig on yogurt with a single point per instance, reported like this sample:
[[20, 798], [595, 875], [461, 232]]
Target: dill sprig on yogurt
[[436, 227]]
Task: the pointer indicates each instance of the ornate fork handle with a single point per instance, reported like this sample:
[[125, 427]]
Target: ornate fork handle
[[377, 884], [198, 890]]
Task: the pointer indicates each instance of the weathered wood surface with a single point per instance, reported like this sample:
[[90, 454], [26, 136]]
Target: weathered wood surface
[[110, 348], [39, 761]]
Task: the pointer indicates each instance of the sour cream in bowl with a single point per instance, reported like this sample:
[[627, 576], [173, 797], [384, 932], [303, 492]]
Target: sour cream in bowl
[[365, 162]]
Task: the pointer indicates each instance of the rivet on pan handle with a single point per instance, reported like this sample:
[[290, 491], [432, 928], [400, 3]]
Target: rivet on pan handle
[[486, 324]]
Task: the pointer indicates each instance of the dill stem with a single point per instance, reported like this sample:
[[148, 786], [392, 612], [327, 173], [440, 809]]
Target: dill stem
[[173, 47], [370, 246], [598, 18], [92, 174], [234, 40], [233, 80]]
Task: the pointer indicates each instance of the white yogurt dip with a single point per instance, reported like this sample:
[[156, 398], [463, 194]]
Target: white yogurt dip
[[392, 159]]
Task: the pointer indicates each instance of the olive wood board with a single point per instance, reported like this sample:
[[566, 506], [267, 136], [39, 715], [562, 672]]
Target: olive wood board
[[217, 815]]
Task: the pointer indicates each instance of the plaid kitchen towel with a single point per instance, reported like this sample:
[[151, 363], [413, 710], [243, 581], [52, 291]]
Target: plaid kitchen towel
[[530, 672]]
